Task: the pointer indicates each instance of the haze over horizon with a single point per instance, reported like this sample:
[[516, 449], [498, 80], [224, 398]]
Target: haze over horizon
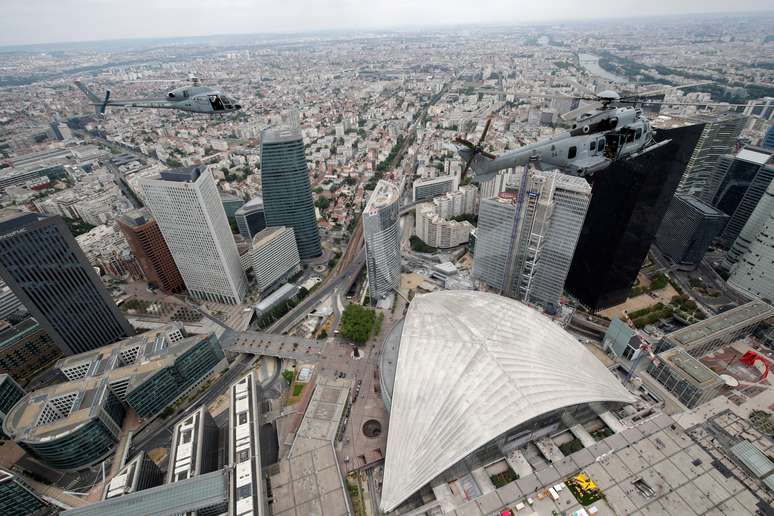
[[65, 21]]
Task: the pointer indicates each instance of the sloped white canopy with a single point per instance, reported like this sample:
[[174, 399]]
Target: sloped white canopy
[[471, 366]]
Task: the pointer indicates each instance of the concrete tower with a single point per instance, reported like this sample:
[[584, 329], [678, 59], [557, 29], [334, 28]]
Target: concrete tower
[[188, 209]]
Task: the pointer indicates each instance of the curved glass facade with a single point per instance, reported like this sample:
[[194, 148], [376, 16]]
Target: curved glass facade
[[287, 194], [382, 240], [76, 449]]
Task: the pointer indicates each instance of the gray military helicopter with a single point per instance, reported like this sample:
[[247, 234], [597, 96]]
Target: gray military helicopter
[[194, 98], [609, 128]]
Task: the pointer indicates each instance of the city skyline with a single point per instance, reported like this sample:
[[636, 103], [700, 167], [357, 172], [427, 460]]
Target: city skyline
[[191, 20]]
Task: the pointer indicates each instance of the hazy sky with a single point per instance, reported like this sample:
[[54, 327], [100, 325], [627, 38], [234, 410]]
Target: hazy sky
[[38, 21]]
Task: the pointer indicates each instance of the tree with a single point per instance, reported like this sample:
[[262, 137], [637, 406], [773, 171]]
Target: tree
[[357, 323], [322, 203]]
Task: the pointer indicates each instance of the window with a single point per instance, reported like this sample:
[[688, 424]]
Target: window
[[593, 146], [572, 152], [638, 134], [242, 418], [600, 144]]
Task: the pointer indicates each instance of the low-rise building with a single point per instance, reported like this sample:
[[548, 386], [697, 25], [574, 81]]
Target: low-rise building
[[439, 232], [25, 349], [683, 376], [137, 474]]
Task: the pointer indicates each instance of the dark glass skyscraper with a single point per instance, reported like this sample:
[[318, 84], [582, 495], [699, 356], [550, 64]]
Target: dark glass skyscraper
[[628, 202], [287, 194], [48, 272]]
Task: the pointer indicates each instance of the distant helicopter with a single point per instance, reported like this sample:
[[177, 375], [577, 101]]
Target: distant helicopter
[[193, 99], [606, 130]]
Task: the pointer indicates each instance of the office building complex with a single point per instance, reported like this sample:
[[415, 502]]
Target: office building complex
[[144, 237], [628, 202], [763, 108], [194, 449], [491, 357], [760, 216], [274, 257], [251, 218], [432, 187], [9, 303], [497, 184], [26, 349], [248, 487], [453, 204], [381, 232], [48, 272], [137, 474], [527, 235], [688, 229], [743, 179], [712, 333], [19, 499], [287, 194], [10, 393], [76, 424], [753, 273], [186, 204], [685, 377], [439, 232], [717, 139]]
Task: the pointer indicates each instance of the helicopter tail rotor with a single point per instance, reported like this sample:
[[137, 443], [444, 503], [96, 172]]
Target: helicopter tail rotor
[[470, 151]]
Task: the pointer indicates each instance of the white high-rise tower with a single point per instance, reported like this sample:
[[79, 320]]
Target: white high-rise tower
[[381, 230], [187, 207]]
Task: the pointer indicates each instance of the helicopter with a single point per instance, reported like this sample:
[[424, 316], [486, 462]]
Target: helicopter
[[195, 98], [608, 129]]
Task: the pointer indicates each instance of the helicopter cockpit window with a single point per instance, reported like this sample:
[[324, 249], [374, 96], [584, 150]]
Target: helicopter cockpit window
[[216, 103], [593, 146], [600, 144], [572, 152], [638, 134]]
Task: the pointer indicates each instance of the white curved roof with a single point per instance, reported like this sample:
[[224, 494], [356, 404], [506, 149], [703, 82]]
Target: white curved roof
[[471, 366]]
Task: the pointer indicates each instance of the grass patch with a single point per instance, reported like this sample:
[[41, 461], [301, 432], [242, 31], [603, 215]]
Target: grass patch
[[355, 496], [297, 389], [600, 434], [504, 478], [571, 447], [288, 375]]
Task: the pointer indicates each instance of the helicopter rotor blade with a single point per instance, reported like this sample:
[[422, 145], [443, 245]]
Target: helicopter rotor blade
[[486, 130], [488, 155], [466, 143], [581, 110], [668, 103]]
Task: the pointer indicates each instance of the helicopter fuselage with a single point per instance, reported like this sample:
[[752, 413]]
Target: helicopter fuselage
[[593, 142], [194, 99]]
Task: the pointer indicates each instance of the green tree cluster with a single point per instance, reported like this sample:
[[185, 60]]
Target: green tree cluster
[[357, 323]]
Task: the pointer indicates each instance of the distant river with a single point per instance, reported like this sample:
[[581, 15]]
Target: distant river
[[591, 63]]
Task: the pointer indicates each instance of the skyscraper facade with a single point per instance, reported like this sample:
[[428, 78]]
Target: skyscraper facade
[[506, 241], [48, 272], [274, 256], [753, 274], [526, 240], [381, 231], [144, 237], [251, 218], [186, 205], [742, 180], [752, 228], [768, 139], [628, 202], [568, 200], [688, 229], [287, 193], [717, 139]]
